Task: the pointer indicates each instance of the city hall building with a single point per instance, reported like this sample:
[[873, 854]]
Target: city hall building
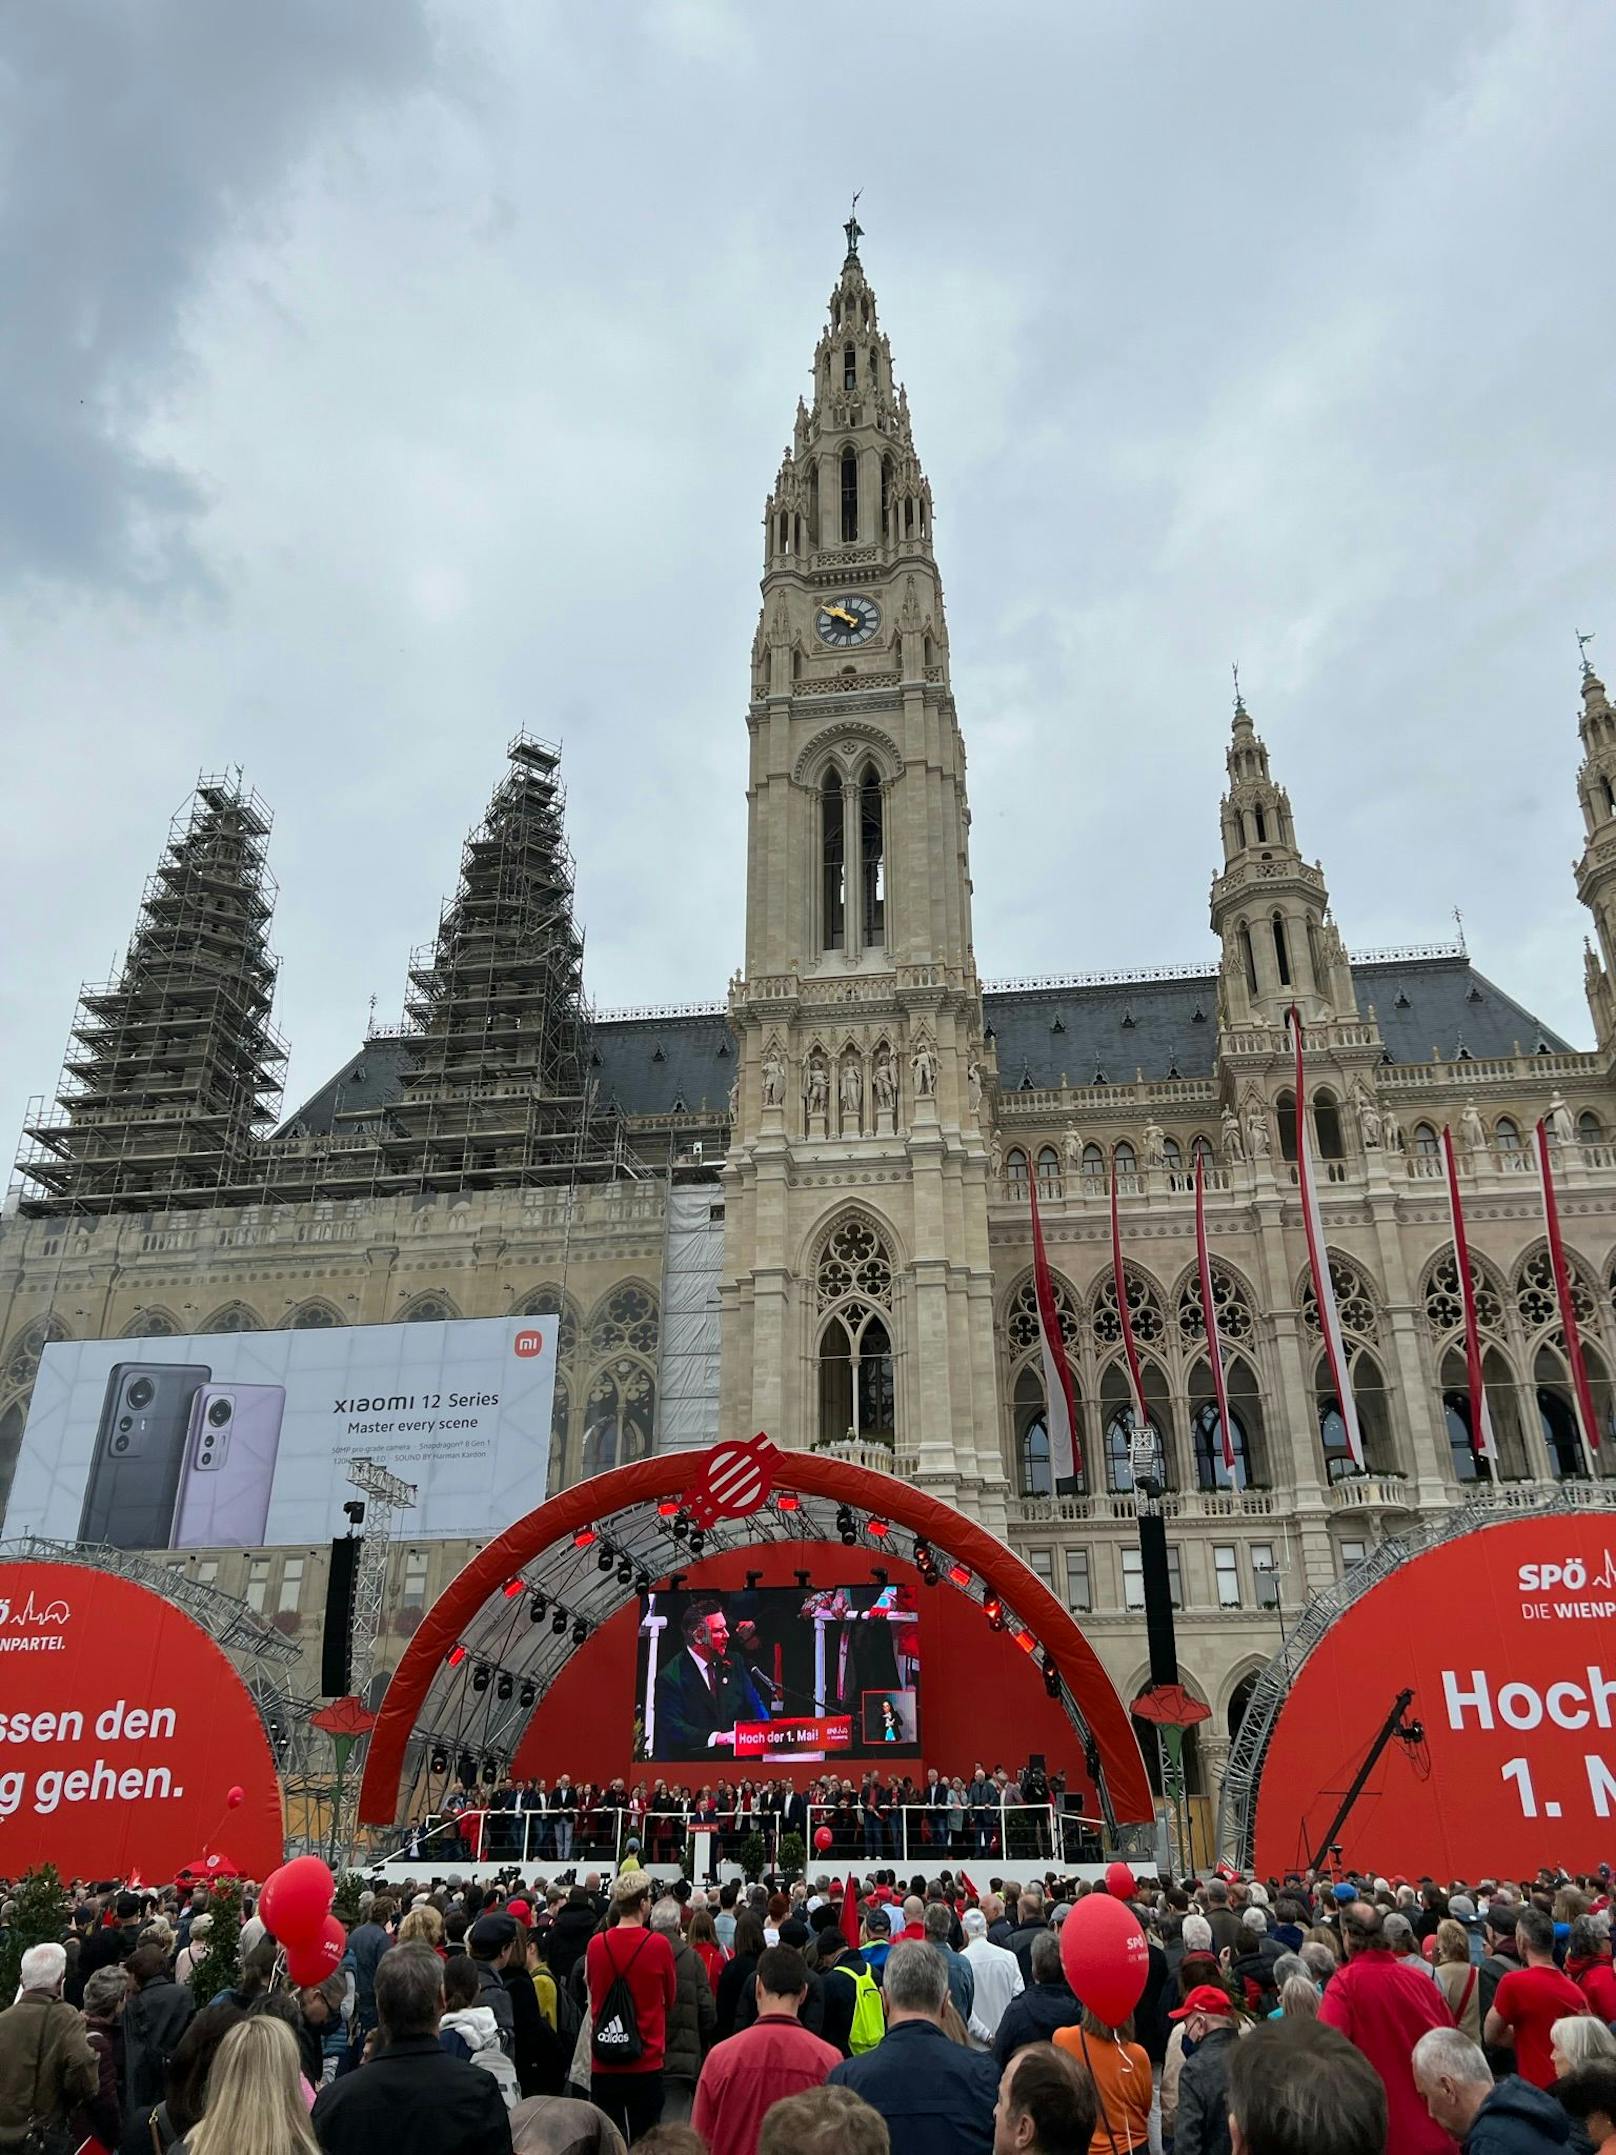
[[803, 1207]]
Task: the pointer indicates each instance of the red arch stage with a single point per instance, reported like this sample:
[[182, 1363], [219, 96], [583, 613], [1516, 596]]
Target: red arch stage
[[570, 1700]]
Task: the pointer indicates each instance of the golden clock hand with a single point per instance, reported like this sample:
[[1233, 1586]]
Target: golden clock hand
[[840, 613]]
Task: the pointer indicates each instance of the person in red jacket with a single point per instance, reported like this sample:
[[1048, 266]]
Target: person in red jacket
[[775, 2057], [1384, 2009], [1589, 1966], [629, 2088]]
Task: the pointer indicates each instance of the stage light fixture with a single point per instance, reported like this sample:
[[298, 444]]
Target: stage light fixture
[[439, 1761], [490, 1771], [879, 1528], [455, 1656], [354, 1511], [580, 1632], [466, 1770], [1026, 1641], [681, 1530], [513, 1587], [788, 1502], [558, 1623], [505, 1686], [584, 1538], [480, 1676], [845, 1527], [880, 1574], [1052, 1678], [754, 1579], [992, 1606], [960, 1574], [529, 1693], [922, 1551], [676, 1579], [604, 1557], [698, 1541], [930, 1578], [803, 1579], [537, 1609], [642, 1583], [668, 1508], [625, 1570]]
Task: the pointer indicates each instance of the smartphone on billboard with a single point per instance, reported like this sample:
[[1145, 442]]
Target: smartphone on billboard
[[140, 1446], [230, 1449]]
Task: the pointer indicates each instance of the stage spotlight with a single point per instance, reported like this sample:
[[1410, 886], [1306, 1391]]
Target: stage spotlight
[[466, 1770], [788, 1502], [845, 1526], [1026, 1641], [354, 1511], [922, 1551], [1091, 1757], [880, 1574], [642, 1583], [698, 1541], [558, 1623], [754, 1578], [960, 1574], [930, 1578], [490, 1770], [604, 1558], [681, 1530], [456, 1655], [530, 1692], [992, 1607], [439, 1761], [505, 1686], [668, 1508], [879, 1528], [1052, 1678], [479, 1677], [513, 1587], [580, 1632], [803, 1579], [676, 1579], [537, 1609], [625, 1570], [584, 1538]]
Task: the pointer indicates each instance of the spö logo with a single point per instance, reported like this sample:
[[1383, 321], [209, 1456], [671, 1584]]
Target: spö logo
[[1573, 1575], [528, 1344], [34, 1612]]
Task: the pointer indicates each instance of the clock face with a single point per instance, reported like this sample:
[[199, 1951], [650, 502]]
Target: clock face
[[849, 620]]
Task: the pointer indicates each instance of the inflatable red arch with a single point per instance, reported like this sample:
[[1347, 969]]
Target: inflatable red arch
[[623, 1503]]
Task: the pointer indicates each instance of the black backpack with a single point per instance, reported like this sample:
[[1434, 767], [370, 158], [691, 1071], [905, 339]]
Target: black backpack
[[616, 2040]]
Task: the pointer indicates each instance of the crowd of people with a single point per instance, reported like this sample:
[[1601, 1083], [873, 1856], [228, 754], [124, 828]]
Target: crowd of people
[[879, 1816], [916, 2016]]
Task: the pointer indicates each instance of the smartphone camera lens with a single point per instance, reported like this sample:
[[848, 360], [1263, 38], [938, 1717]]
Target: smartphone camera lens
[[140, 1393], [120, 1444], [219, 1413], [126, 1422]]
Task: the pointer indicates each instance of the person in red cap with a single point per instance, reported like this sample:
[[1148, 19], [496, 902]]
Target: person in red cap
[[1211, 2023]]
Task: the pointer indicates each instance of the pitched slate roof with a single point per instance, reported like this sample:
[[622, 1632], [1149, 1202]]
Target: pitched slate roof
[[657, 1065]]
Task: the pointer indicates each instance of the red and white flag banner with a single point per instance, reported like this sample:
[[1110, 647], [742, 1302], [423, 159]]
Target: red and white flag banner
[[1482, 1441], [1060, 1404], [1135, 1379], [1209, 1313], [1335, 1348], [1568, 1308]]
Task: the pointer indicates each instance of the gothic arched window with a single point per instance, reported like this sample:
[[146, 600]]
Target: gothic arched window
[[1282, 955], [234, 1317], [150, 1324], [1248, 957], [849, 367], [619, 1400], [1327, 1125], [850, 496], [1124, 1159], [1015, 1169], [1048, 1171], [1426, 1142], [857, 1380], [833, 862], [1206, 1433], [312, 1317], [1285, 1117], [872, 865], [428, 1309], [1094, 1166], [1507, 1136], [1590, 1130]]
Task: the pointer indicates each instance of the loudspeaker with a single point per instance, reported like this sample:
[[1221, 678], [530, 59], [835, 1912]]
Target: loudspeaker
[[1158, 1600], [336, 1642]]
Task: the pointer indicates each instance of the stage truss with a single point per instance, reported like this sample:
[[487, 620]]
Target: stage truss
[[1237, 1802], [489, 1651]]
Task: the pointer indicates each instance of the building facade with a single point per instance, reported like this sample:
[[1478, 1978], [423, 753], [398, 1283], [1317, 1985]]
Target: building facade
[[804, 1209]]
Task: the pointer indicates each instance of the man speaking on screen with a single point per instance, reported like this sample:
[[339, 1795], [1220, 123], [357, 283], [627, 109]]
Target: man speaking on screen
[[703, 1692]]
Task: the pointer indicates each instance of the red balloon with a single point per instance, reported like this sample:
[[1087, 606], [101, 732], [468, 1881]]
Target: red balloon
[[236, 1797], [823, 1837], [1119, 1880], [309, 1965], [296, 1900], [1104, 1954]]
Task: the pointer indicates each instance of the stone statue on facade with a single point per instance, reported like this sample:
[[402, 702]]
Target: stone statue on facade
[[884, 1081], [1155, 1144], [923, 1066], [1391, 1132], [1259, 1142], [818, 1084], [851, 1094], [1234, 1145], [1369, 1120], [1561, 1127], [1472, 1131], [996, 1157], [1071, 1151], [973, 1085], [735, 1098], [774, 1079]]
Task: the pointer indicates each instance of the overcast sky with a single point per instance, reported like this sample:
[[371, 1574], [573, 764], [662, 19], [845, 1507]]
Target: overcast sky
[[378, 379]]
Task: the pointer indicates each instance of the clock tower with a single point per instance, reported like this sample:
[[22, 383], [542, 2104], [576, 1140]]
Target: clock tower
[[857, 1292]]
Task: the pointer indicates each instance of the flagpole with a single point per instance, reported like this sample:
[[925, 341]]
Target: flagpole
[[1209, 1314], [1587, 1418], [1482, 1440]]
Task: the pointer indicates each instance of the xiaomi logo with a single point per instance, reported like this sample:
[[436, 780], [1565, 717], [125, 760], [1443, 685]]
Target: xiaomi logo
[[528, 1344]]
